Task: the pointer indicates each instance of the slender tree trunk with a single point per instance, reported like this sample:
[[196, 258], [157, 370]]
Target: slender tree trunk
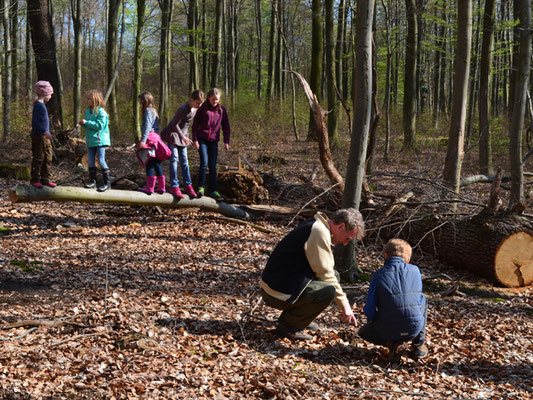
[[523, 8], [259, 31], [111, 60], [514, 50], [194, 73], [138, 67], [316, 61], [166, 15], [454, 154], [75, 9], [14, 50], [341, 28], [333, 103], [217, 53], [205, 47], [485, 136], [7, 71], [387, 94], [473, 81], [409, 96], [28, 63], [443, 64], [345, 260], [44, 49]]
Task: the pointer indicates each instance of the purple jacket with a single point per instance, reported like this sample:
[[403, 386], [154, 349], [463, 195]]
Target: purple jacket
[[207, 123]]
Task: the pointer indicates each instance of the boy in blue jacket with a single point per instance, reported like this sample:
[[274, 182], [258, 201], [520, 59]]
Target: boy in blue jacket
[[396, 308]]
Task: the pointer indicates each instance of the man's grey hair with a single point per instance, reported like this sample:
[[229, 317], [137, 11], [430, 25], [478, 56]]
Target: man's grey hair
[[352, 219]]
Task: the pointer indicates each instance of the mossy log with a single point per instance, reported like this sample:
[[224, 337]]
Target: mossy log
[[497, 246], [28, 193]]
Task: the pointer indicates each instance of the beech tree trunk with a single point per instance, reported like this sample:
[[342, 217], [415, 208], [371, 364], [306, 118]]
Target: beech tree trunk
[[28, 193], [409, 96]]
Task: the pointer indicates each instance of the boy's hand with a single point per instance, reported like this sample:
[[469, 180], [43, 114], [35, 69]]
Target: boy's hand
[[347, 315]]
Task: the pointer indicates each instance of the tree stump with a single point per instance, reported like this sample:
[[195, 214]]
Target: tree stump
[[513, 263], [242, 186]]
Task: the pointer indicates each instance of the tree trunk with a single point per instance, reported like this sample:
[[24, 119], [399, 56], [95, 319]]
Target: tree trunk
[[387, 96], [14, 50], [166, 15], [485, 136], [271, 54], [75, 8], [138, 67], [409, 96], [339, 48], [111, 60], [28, 193], [194, 72], [259, 30], [519, 103], [345, 260], [28, 64], [317, 48], [7, 71], [44, 50], [217, 53], [333, 103], [455, 153]]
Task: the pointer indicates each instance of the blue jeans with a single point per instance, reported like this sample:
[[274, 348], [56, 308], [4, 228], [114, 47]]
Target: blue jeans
[[153, 167], [179, 153], [99, 152], [208, 157]]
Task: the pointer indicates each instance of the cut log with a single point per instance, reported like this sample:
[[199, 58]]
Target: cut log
[[27, 193], [478, 244], [513, 264]]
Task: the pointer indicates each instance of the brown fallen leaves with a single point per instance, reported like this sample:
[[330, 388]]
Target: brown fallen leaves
[[158, 304]]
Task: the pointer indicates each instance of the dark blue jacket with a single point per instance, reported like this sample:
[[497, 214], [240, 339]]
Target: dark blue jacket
[[395, 300], [39, 119]]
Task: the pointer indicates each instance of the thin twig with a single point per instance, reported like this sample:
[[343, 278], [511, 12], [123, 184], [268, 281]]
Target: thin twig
[[77, 337], [310, 201], [427, 233], [20, 336]]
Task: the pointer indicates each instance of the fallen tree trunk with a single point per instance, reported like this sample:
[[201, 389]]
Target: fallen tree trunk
[[497, 246], [28, 193]]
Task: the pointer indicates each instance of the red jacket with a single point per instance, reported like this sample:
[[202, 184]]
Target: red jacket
[[208, 121], [154, 148]]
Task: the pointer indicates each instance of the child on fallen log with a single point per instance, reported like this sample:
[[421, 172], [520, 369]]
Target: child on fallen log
[[176, 135], [151, 150], [396, 308], [41, 138]]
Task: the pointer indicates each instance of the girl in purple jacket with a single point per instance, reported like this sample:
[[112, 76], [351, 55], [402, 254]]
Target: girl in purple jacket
[[210, 117]]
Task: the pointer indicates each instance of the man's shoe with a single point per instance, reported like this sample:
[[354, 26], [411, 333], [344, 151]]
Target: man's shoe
[[419, 352], [201, 191], [314, 327], [190, 191], [291, 333], [215, 195]]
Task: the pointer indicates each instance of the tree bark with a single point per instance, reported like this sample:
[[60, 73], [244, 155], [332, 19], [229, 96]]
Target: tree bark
[[75, 9], [217, 53], [14, 15], [485, 136], [333, 103], [316, 62], [166, 15], [28, 193], [192, 21], [137, 68], [455, 153], [111, 61], [44, 50], [519, 103], [259, 31], [7, 71], [409, 96]]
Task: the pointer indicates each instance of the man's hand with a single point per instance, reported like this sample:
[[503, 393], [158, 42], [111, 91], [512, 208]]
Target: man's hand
[[347, 315]]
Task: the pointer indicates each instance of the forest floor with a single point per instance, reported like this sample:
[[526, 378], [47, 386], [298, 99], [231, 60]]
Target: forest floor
[[163, 303]]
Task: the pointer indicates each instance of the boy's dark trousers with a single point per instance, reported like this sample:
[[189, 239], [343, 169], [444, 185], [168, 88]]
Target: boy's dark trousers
[[41, 148], [370, 332], [316, 297]]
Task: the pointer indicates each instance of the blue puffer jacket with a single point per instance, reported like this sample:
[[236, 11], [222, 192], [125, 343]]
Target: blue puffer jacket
[[395, 300]]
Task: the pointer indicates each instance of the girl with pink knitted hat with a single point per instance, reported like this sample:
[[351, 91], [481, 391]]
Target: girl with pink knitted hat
[[41, 138]]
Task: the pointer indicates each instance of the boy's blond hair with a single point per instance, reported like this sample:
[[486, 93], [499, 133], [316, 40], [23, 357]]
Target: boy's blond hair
[[398, 248]]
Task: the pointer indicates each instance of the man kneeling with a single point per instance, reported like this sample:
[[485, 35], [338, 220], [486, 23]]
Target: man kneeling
[[299, 277]]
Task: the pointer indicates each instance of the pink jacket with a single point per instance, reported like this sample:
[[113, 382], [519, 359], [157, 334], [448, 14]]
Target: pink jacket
[[155, 147]]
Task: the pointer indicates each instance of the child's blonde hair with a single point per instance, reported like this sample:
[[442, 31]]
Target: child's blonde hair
[[197, 95], [97, 98], [214, 92], [147, 101], [398, 248]]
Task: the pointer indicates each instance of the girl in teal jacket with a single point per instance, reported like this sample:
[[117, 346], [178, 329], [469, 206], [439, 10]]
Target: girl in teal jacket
[[97, 137]]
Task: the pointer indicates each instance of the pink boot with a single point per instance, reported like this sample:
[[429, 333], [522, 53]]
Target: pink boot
[[190, 191], [161, 184], [150, 185], [176, 192]]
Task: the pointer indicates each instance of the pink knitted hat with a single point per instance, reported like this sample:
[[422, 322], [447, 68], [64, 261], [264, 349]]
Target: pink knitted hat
[[43, 88]]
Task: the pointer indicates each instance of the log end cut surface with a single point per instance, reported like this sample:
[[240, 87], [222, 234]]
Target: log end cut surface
[[513, 263]]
